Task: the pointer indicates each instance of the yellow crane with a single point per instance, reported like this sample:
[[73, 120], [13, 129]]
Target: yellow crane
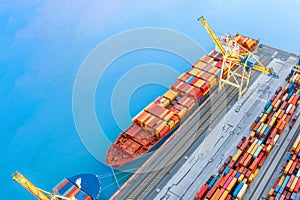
[[35, 191], [238, 64]]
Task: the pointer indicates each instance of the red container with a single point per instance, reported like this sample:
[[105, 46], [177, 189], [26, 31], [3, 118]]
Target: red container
[[247, 161], [288, 195], [176, 84], [184, 77], [260, 164], [282, 127], [244, 145], [243, 158], [275, 184], [194, 81], [212, 191], [133, 130], [194, 92], [164, 131], [202, 192], [295, 100], [293, 166], [257, 126], [289, 184], [273, 133], [219, 64], [254, 164], [296, 189], [283, 105], [205, 87]]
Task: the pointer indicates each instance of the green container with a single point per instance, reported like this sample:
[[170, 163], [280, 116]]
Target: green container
[[269, 109]]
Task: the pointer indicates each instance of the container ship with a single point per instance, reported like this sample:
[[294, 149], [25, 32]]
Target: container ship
[[79, 187], [165, 114]]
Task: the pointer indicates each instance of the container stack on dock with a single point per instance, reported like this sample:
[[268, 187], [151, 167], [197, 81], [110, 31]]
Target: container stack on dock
[[288, 184], [236, 175]]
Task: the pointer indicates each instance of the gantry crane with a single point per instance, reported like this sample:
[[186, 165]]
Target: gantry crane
[[237, 62], [37, 192]]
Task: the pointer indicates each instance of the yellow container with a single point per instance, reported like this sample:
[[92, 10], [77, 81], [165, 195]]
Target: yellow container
[[231, 184], [241, 177], [277, 113], [215, 194], [263, 129], [165, 103], [284, 116], [170, 94], [182, 112], [271, 192], [255, 173], [294, 184], [272, 122], [237, 155], [160, 127], [224, 195], [296, 144], [250, 148], [269, 148], [287, 168], [254, 149], [251, 177], [281, 180], [171, 124], [264, 117], [199, 83]]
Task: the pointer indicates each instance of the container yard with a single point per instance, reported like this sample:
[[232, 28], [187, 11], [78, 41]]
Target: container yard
[[232, 141]]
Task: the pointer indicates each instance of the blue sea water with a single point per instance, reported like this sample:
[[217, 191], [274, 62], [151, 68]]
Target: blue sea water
[[43, 44]]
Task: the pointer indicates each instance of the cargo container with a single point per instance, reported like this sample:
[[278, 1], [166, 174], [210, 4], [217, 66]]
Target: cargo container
[[202, 192]]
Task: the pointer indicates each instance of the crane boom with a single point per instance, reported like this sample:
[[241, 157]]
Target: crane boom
[[213, 36], [258, 67], [30, 187]]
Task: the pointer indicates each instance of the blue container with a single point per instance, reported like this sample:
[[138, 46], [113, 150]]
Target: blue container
[[268, 105], [257, 119], [278, 196], [212, 182], [290, 87], [294, 196], [277, 188], [289, 157], [267, 130], [237, 175], [285, 182], [190, 79], [259, 148], [237, 189], [262, 140], [291, 73], [226, 170]]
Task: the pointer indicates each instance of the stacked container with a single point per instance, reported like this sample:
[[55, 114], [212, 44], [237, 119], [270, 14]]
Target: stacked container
[[287, 186], [248, 43], [238, 174]]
